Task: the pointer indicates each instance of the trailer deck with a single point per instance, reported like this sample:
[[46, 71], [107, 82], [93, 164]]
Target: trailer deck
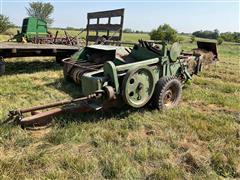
[[14, 49]]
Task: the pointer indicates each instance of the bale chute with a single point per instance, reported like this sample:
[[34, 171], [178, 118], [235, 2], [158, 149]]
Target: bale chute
[[208, 47]]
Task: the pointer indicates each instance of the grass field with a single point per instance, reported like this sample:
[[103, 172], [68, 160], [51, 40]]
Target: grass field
[[199, 139]]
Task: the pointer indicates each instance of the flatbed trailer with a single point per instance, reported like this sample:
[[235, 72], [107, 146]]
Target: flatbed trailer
[[13, 49]]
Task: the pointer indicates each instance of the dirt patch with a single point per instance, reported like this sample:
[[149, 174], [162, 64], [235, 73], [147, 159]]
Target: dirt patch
[[145, 133], [141, 134], [191, 153], [190, 162]]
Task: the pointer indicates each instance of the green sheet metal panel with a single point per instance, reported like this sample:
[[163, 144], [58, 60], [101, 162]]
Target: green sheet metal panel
[[32, 27], [35, 25]]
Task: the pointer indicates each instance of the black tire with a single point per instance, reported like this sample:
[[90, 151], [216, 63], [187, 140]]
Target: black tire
[[167, 93]]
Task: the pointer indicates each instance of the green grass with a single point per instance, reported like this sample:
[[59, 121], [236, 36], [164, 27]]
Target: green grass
[[199, 139]]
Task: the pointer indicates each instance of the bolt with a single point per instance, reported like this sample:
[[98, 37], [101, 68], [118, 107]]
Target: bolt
[[140, 86]]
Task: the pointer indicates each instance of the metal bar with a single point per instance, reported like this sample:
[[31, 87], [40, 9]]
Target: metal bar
[[45, 117], [94, 38], [97, 29], [67, 37], [120, 32], [87, 35], [109, 22], [104, 27], [105, 14], [54, 41], [136, 64], [60, 103]]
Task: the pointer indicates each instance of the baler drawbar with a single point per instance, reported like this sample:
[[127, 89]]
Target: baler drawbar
[[38, 118]]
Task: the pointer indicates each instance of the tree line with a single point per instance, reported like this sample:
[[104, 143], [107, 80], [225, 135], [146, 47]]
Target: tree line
[[226, 36], [166, 33], [129, 30]]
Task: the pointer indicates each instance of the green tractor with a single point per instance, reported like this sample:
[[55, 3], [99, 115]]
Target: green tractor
[[31, 28], [149, 73]]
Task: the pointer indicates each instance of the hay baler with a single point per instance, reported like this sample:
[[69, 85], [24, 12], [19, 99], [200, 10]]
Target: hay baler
[[31, 28], [149, 73]]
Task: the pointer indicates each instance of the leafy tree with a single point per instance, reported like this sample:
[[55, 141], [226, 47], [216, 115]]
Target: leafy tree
[[220, 40], [127, 30], [236, 36], [5, 23], [164, 33], [180, 39], [216, 34], [41, 10], [227, 36], [207, 34], [232, 37], [72, 28]]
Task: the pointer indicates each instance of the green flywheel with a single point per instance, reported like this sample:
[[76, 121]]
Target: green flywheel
[[175, 51], [138, 86]]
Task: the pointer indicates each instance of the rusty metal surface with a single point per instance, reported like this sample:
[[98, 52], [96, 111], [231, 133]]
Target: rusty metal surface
[[38, 117], [44, 118], [59, 103], [67, 40]]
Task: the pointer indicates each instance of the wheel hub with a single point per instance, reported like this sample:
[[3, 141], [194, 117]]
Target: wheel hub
[[168, 99]]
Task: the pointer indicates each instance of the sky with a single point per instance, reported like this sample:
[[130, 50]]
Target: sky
[[183, 15]]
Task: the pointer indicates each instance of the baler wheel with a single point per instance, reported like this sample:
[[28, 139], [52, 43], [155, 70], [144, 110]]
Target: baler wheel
[[138, 87], [167, 93]]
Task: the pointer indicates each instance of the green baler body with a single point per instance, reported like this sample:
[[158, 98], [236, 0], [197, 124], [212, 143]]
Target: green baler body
[[114, 68], [31, 28]]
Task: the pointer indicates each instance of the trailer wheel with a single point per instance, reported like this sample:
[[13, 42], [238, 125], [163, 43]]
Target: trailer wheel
[[167, 93]]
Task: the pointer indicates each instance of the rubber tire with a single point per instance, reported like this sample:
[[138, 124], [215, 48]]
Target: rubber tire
[[161, 87]]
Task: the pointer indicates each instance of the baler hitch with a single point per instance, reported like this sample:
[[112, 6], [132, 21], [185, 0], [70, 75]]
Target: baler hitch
[[39, 118]]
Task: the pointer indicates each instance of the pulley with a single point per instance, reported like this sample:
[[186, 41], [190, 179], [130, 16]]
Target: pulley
[[175, 51], [138, 86]]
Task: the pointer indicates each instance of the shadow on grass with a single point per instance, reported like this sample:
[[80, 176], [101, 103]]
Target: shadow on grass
[[22, 67], [93, 116], [67, 87], [74, 91], [118, 113]]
